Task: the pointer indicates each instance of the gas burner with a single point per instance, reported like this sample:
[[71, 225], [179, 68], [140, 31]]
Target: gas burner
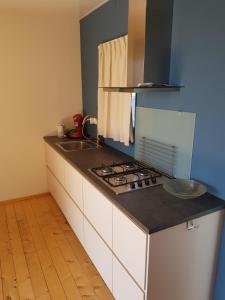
[[120, 179], [107, 170], [129, 166], [144, 173]]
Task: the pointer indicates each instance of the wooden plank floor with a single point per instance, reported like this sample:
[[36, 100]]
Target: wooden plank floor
[[40, 256]]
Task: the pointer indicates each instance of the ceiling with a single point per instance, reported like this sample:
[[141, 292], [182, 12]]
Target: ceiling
[[33, 6], [87, 6], [83, 7]]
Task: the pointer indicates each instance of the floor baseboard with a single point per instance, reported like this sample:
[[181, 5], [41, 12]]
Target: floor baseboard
[[25, 198]]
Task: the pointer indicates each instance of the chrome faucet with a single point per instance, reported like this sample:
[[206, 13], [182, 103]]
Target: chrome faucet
[[92, 120]]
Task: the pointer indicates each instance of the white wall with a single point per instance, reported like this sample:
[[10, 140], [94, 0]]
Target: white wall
[[40, 85]]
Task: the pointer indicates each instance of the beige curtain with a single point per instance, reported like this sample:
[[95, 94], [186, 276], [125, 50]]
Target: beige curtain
[[114, 109]]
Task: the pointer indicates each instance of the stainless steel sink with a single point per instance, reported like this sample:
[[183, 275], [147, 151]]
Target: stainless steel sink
[[78, 145]]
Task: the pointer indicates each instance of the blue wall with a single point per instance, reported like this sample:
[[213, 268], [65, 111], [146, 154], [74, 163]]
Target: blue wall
[[197, 61]]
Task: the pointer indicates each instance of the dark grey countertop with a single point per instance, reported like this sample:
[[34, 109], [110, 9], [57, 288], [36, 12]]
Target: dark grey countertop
[[153, 209]]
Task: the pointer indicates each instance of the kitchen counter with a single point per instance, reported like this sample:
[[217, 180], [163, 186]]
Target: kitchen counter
[[152, 209]]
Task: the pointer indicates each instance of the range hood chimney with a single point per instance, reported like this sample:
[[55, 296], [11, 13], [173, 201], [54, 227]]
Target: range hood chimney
[[149, 46]]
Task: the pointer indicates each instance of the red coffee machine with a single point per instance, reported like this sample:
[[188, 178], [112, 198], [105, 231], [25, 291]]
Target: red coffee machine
[[77, 131], [78, 119]]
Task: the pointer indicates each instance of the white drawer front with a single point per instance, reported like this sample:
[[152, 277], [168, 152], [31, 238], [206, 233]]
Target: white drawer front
[[99, 253], [98, 210], [66, 204], [55, 189], [55, 163], [75, 218], [124, 287], [73, 184], [130, 246]]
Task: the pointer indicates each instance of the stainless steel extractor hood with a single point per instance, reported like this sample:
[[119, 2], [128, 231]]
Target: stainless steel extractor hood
[[149, 46]]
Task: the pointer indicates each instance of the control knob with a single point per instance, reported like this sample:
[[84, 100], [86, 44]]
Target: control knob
[[140, 183], [147, 182], [132, 185], [153, 179]]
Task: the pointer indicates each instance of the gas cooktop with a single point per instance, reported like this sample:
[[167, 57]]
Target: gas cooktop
[[129, 176]]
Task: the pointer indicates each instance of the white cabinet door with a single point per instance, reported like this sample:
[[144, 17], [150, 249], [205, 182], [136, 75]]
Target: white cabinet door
[[55, 163], [98, 210], [183, 262], [124, 288], [130, 246], [73, 184], [99, 253], [68, 207]]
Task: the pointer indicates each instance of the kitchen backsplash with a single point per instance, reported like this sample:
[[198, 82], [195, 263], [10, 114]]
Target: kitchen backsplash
[[168, 128]]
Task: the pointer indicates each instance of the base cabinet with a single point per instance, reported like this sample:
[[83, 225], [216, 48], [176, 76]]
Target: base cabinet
[[75, 218], [123, 285], [55, 163], [56, 190], [99, 253], [130, 246], [183, 260], [178, 263], [98, 210], [73, 215], [73, 185]]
